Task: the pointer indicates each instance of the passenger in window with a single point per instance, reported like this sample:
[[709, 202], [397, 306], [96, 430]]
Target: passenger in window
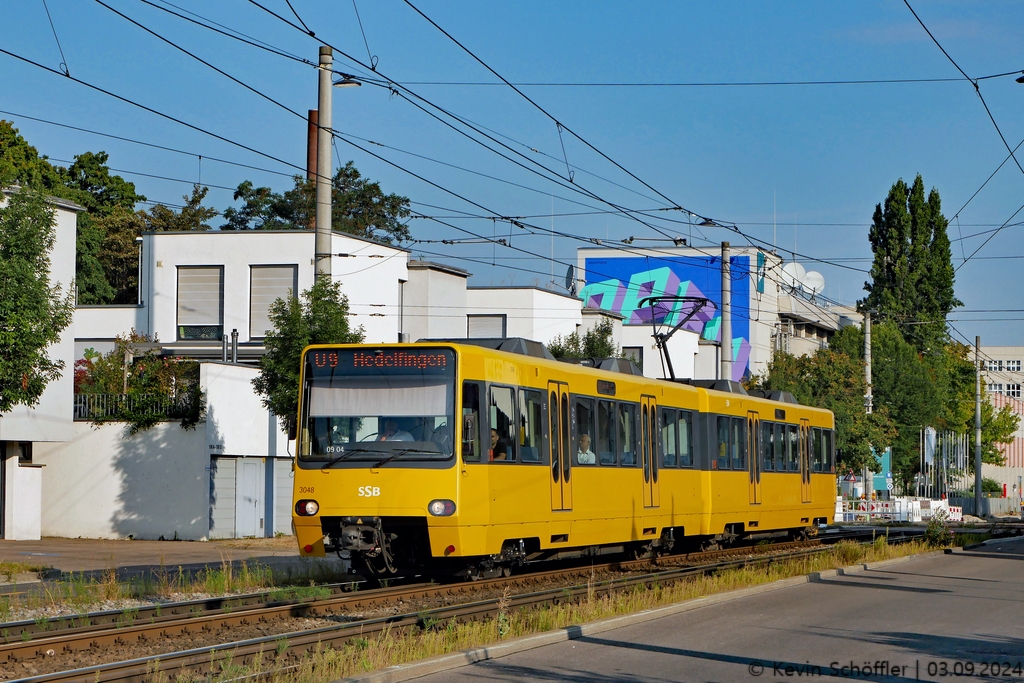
[[585, 456], [499, 450], [391, 431]]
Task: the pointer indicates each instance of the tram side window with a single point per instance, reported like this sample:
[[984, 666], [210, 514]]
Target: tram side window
[[685, 422], [829, 449], [503, 424], [627, 434], [738, 445], [471, 422], [670, 454], [585, 431], [722, 456], [767, 446], [816, 449], [531, 425], [780, 447], [793, 448], [606, 433]]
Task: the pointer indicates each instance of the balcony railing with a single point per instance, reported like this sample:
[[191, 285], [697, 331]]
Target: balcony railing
[[112, 407]]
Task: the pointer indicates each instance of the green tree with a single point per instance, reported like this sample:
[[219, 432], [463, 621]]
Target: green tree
[[20, 163], [33, 312], [88, 182], [192, 217], [597, 342], [834, 380], [320, 316], [360, 207], [912, 275], [118, 254]]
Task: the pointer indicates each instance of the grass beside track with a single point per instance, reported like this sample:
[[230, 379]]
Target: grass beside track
[[80, 593], [389, 649]]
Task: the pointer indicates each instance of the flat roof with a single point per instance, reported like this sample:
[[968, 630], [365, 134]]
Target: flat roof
[[56, 201], [418, 264], [539, 289], [273, 232]]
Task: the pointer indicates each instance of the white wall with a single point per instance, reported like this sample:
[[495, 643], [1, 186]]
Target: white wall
[[236, 421], [434, 305], [22, 500], [106, 484], [532, 313], [682, 348], [97, 326], [50, 418], [369, 275]]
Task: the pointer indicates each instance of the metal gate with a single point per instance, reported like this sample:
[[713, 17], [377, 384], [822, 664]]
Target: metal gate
[[249, 501], [559, 446]]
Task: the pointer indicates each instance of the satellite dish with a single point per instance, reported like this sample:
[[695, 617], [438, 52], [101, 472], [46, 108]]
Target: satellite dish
[[570, 281], [793, 274], [814, 282]]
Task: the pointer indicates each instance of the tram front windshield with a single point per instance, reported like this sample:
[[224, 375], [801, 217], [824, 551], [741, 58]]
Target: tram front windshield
[[376, 406]]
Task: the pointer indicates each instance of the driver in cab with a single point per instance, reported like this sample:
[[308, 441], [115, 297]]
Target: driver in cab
[[392, 432]]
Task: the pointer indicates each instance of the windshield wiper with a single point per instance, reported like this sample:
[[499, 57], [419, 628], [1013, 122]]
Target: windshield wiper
[[402, 452], [350, 453]]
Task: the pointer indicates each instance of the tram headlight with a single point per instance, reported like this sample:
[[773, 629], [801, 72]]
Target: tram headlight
[[307, 508], [441, 508]]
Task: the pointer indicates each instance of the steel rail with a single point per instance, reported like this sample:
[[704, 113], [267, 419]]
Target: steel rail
[[115, 627], [296, 643]]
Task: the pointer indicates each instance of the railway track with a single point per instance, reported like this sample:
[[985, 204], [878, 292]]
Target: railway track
[[186, 619]]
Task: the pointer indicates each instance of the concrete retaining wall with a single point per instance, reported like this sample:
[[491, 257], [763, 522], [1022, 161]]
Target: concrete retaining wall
[[106, 484]]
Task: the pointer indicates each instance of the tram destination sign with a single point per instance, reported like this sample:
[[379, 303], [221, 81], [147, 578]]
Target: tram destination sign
[[330, 362]]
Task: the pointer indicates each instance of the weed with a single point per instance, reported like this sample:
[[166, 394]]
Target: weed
[[502, 618], [936, 534], [42, 623]]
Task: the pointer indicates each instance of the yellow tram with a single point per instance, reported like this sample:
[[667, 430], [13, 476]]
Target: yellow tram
[[458, 458]]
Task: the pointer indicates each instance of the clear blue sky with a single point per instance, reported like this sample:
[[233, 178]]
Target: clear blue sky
[[813, 158]]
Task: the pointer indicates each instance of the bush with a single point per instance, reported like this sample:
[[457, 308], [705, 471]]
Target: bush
[[138, 386], [936, 534]]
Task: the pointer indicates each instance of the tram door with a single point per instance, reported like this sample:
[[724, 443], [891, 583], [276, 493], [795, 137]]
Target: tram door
[[559, 446], [754, 456], [649, 450], [805, 461]]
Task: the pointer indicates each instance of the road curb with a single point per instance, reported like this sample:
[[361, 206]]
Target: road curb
[[456, 660]]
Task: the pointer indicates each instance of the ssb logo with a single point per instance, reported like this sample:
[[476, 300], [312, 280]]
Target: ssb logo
[[370, 491]]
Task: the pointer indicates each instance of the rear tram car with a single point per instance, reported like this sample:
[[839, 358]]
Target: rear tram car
[[461, 459]]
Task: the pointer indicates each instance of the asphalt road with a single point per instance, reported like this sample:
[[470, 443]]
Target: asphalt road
[[938, 618]]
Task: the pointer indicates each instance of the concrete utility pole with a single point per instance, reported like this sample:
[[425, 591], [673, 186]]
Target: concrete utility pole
[[323, 167], [977, 426], [868, 397], [726, 335], [312, 140]]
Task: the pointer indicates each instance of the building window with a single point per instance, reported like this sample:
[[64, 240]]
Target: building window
[[635, 354], [997, 366], [267, 284], [1013, 390], [994, 388], [200, 302], [1013, 366], [486, 326]]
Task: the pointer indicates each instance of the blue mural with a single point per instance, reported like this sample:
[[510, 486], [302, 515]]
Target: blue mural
[[619, 284]]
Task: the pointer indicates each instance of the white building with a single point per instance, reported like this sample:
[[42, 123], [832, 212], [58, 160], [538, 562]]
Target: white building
[[197, 287], [24, 428]]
